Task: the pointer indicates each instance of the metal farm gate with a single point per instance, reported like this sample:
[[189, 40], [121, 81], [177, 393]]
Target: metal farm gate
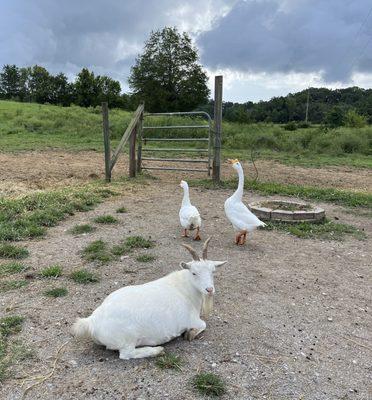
[[206, 151], [135, 133]]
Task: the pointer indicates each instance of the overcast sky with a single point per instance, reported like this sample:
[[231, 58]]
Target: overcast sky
[[264, 48]]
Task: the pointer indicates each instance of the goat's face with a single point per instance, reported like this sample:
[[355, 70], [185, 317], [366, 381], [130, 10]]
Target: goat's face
[[201, 274]]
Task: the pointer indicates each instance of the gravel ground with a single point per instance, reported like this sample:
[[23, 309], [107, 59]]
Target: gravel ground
[[291, 318]]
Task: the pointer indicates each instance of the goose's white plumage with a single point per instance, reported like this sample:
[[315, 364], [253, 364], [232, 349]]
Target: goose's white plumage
[[189, 214], [241, 218]]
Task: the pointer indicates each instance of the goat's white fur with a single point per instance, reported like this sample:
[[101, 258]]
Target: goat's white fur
[[152, 313]]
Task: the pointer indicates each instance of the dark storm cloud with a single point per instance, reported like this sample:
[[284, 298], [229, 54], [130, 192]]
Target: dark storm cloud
[[104, 35], [292, 36]]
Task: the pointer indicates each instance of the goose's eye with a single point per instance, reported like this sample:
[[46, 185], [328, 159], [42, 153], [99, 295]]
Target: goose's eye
[[194, 273]]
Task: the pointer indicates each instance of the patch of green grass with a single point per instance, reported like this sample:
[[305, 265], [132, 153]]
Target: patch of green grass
[[84, 277], [56, 292], [105, 219], [144, 258], [54, 271], [326, 230], [81, 229], [138, 242], [169, 361], [29, 216], [12, 268], [120, 249], [121, 210], [335, 196], [97, 251], [8, 326], [6, 286], [209, 384], [10, 251]]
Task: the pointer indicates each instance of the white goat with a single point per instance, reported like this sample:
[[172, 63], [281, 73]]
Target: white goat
[[133, 319]]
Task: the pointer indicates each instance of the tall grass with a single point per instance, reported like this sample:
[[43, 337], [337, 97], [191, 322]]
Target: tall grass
[[26, 126]]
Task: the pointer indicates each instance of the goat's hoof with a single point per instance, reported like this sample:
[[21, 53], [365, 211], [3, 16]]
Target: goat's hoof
[[197, 238], [190, 334]]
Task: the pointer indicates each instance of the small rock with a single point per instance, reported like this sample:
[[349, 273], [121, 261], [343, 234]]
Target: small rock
[[330, 319], [213, 365]]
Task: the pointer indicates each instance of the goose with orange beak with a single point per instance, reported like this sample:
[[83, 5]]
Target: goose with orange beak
[[241, 218]]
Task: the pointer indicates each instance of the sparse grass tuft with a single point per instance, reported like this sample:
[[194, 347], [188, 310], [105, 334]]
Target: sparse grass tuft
[[12, 268], [97, 251], [209, 384], [121, 210], [8, 326], [105, 219], [6, 286], [138, 242], [169, 361], [11, 251], [326, 230], [84, 277], [81, 229], [54, 271], [144, 258], [56, 292]]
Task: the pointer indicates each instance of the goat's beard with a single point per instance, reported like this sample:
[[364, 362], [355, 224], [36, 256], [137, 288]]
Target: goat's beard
[[207, 306]]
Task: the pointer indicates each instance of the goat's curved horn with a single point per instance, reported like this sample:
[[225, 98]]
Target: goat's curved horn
[[205, 248], [192, 252]]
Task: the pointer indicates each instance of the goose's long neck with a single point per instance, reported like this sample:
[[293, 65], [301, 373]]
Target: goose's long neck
[[239, 191], [186, 197]]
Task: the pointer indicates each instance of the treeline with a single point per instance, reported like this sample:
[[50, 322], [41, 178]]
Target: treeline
[[351, 106], [326, 106], [36, 84]]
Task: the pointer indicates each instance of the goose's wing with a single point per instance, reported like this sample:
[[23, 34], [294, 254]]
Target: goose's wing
[[241, 217], [189, 215]]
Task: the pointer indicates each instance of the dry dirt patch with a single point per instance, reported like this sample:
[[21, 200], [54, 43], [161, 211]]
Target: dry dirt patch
[[28, 171], [291, 318]]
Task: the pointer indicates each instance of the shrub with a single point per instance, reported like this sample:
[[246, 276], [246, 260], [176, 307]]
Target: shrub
[[290, 126], [354, 120]]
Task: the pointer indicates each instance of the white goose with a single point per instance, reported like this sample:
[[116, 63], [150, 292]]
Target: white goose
[[237, 213], [189, 215]]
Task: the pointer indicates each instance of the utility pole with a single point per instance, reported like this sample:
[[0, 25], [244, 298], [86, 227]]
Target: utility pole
[[307, 105]]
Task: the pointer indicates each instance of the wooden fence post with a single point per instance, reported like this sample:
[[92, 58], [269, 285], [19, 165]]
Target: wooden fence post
[[139, 150], [217, 128], [132, 152], [106, 140]]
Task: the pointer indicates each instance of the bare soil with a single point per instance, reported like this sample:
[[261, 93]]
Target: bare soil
[[291, 320], [29, 171]]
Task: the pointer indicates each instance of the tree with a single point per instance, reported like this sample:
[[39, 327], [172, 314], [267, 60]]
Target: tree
[[335, 117], [9, 82], [354, 120], [109, 90], [86, 88], [61, 90], [40, 84], [167, 75]]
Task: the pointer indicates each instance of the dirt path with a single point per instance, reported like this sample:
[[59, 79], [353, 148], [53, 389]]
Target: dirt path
[[22, 172], [291, 318]]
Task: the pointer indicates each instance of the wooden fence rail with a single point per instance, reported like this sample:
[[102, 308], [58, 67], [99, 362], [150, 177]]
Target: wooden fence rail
[[130, 133]]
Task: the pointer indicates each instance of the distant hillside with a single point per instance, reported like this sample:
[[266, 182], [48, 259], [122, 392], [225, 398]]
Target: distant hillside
[[292, 107]]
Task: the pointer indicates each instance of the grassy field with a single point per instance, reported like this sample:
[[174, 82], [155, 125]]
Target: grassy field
[[25, 126]]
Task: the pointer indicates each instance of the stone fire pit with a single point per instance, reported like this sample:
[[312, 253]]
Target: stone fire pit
[[288, 211]]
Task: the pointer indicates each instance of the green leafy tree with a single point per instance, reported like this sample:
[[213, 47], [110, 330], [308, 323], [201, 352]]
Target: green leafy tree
[[86, 89], [167, 75], [9, 82], [61, 90], [40, 84], [109, 90], [354, 120], [335, 117]]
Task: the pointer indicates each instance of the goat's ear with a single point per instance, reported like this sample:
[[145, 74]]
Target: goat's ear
[[219, 263], [185, 265]]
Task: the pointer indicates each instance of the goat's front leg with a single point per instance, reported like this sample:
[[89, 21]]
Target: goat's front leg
[[197, 234], [192, 333], [184, 234]]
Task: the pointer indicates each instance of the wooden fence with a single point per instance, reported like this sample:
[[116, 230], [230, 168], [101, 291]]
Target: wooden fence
[[135, 130]]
